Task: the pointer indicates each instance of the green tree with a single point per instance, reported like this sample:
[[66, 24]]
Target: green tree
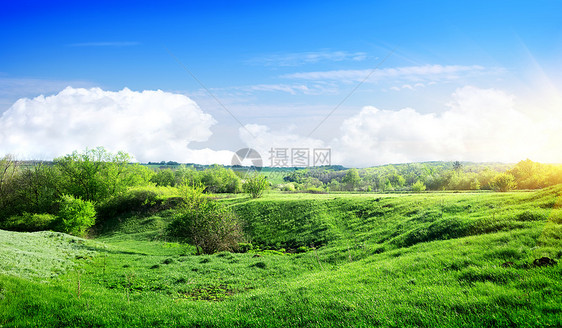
[[485, 177], [97, 174], [397, 180], [219, 179], [503, 182], [255, 185], [457, 166], [351, 179], [418, 186], [8, 186], [8, 169], [164, 178], [75, 215], [37, 189], [529, 175], [188, 173], [474, 184]]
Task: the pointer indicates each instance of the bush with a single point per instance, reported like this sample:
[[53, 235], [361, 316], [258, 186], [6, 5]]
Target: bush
[[315, 191], [205, 223], [245, 247], [287, 187], [255, 185], [75, 215]]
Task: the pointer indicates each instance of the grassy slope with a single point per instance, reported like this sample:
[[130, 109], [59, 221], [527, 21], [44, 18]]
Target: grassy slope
[[41, 255], [401, 260]]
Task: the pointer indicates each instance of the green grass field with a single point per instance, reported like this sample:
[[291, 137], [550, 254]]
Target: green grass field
[[324, 260]]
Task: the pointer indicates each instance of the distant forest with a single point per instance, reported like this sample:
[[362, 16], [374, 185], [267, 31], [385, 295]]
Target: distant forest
[[432, 176]]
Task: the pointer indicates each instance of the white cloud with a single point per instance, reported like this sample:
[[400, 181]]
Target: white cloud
[[409, 73], [478, 125], [151, 125], [302, 58]]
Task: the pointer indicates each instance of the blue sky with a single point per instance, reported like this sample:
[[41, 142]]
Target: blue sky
[[280, 67]]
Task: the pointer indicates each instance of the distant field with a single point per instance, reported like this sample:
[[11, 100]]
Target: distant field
[[324, 260]]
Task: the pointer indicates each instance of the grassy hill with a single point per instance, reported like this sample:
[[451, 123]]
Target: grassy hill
[[332, 260]]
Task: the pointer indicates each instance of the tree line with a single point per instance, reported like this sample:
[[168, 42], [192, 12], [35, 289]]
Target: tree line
[[427, 176]]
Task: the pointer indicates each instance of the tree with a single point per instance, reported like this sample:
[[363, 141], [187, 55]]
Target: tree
[[97, 174], [503, 182], [8, 187], [164, 178], [351, 179], [457, 166], [529, 175], [187, 172], [8, 169], [418, 186], [255, 185], [37, 189], [397, 180], [219, 179]]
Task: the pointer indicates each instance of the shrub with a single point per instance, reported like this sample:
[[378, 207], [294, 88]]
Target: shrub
[[255, 185], [302, 249], [418, 186], [245, 247], [313, 190], [75, 215], [288, 187], [205, 223]]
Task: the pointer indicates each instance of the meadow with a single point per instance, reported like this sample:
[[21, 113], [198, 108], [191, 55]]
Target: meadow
[[433, 259]]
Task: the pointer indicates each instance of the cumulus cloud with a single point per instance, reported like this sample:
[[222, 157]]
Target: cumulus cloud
[[151, 125], [477, 125]]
